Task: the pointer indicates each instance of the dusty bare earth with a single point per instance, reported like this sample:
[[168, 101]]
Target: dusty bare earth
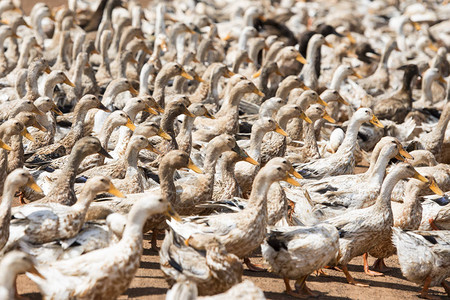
[[149, 282]]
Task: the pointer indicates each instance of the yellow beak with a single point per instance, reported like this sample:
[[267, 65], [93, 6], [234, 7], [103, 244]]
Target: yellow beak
[[295, 173], [4, 146], [132, 90], [305, 117], [153, 149], [321, 102], [351, 38], [114, 191], [376, 122], [342, 101], [300, 59], [258, 92], [327, 117], [208, 115], [435, 188], [26, 134], [171, 213], [164, 135], [130, 125], [32, 185], [279, 130], [193, 167], [290, 180], [420, 177], [257, 74], [186, 75]]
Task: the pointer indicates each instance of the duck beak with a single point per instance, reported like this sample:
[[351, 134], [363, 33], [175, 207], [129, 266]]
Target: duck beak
[[94, 51], [132, 90], [114, 191], [321, 102], [290, 180], [433, 47], [37, 46], [153, 149], [193, 167], [34, 271], [158, 108], [376, 122], [403, 152], [303, 116], [416, 26], [400, 157], [171, 213], [133, 61], [14, 35], [327, 117], [164, 135], [435, 188], [249, 60], [102, 107], [104, 153], [257, 74], [328, 44], [208, 115], [359, 76], [278, 72], [36, 111], [164, 46], [351, 38], [37, 125], [26, 134], [279, 130], [300, 59], [28, 25], [188, 113], [148, 51], [303, 86], [420, 177], [244, 155], [32, 185], [195, 60], [342, 101], [198, 78], [4, 146], [186, 75], [151, 110], [68, 82], [47, 70], [130, 125], [56, 110], [295, 173], [230, 73], [441, 79], [258, 92], [227, 37]]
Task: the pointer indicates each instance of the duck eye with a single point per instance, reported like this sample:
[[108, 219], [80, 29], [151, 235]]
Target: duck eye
[[279, 168], [160, 200], [139, 101]]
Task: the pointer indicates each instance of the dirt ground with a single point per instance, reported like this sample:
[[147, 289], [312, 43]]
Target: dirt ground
[[149, 282]]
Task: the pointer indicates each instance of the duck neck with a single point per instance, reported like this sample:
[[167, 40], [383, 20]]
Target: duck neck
[[384, 199], [143, 79], [167, 125], [385, 57], [349, 143], [238, 61], [243, 39], [256, 140], [78, 73], [258, 198], [167, 184], [309, 137], [438, 132], [105, 133], [412, 192], [50, 84], [8, 278], [228, 177], [284, 89], [62, 58], [24, 54], [7, 198], [85, 198], [32, 85], [283, 120], [233, 101], [427, 94], [161, 81], [379, 170], [131, 155], [338, 77]]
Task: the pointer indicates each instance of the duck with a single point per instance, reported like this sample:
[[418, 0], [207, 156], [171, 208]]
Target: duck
[[343, 161], [294, 252], [60, 188], [61, 222], [423, 257], [13, 264], [116, 265], [15, 180], [240, 232], [407, 216], [211, 268], [360, 230], [64, 146], [395, 107], [308, 73]]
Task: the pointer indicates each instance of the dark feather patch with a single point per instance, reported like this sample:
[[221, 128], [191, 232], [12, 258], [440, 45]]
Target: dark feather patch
[[175, 265], [431, 239], [274, 240]]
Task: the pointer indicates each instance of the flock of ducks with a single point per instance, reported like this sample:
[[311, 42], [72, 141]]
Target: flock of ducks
[[116, 119]]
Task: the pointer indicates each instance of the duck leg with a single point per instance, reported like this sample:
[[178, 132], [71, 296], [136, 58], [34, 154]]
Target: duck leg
[[433, 224], [301, 290], [424, 292], [380, 265], [154, 240], [349, 277], [21, 198], [253, 267], [366, 267], [287, 284]]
